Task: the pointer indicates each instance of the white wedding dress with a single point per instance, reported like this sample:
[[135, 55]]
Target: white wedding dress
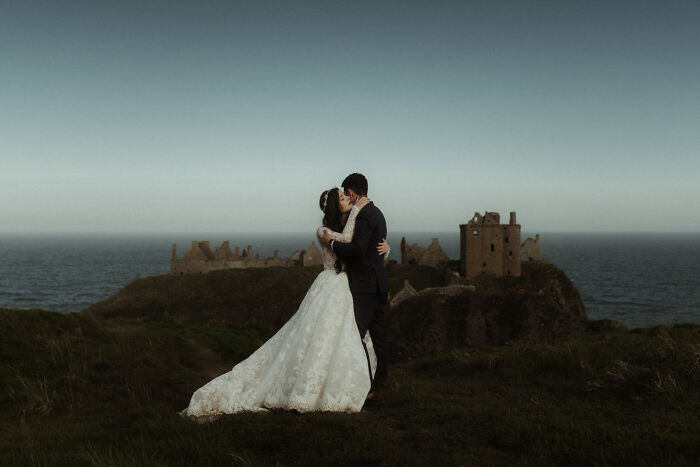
[[315, 362]]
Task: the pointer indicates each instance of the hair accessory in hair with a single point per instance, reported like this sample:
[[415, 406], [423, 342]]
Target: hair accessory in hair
[[325, 200]]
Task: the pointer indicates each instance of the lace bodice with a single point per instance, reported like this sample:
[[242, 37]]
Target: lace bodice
[[345, 236]]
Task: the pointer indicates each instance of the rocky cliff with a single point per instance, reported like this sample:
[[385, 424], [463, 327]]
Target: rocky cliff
[[542, 302]]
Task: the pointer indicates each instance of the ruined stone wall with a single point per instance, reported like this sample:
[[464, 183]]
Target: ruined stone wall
[[433, 256], [199, 251], [199, 259], [311, 256], [224, 253], [411, 254], [530, 249], [511, 250]]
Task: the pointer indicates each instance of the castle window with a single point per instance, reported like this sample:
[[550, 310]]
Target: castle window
[[506, 239], [483, 265], [493, 247], [509, 272], [475, 233], [510, 253]]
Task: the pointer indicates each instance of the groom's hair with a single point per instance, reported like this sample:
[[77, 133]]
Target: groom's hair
[[357, 183]]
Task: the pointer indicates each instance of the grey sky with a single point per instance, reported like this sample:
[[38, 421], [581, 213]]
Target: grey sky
[[234, 116]]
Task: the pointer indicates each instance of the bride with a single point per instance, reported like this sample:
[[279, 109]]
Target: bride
[[316, 361]]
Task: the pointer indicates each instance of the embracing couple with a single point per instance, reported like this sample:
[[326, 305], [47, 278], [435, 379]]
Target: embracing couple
[[330, 355]]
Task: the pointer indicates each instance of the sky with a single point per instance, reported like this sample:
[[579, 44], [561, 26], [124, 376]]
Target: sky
[[223, 116]]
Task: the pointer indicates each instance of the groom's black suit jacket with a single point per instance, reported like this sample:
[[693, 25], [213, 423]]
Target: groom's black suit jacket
[[365, 267]]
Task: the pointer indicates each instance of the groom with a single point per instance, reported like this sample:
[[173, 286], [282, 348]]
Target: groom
[[365, 269]]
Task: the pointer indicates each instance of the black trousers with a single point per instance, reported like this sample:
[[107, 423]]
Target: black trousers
[[369, 316]]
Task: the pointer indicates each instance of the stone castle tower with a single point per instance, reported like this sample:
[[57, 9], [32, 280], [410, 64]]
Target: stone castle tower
[[487, 246]]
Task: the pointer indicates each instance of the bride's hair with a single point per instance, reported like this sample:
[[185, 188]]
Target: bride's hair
[[330, 205], [332, 217]]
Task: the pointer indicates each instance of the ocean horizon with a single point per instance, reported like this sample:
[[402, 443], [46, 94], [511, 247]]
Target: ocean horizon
[[638, 278]]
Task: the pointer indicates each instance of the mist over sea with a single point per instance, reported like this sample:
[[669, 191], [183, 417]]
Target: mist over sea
[[640, 279]]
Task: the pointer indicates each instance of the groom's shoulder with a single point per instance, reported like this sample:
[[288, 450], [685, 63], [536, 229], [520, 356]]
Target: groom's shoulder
[[371, 210], [375, 208]]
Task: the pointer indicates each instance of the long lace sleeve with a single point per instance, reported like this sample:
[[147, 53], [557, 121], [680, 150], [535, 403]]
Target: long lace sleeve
[[349, 230]]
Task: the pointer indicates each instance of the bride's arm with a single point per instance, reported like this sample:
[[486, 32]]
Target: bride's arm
[[349, 229], [346, 235]]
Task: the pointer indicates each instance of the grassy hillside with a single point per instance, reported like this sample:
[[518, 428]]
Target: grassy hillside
[[103, 387], [241, 297]]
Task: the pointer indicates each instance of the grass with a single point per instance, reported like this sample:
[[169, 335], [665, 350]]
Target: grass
[[103, 387]]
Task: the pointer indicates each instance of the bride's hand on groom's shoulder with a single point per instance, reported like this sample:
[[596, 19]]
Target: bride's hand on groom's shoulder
[[362, 202]]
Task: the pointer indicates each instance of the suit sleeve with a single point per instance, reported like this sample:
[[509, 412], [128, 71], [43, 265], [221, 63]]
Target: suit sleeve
[[360, 240]]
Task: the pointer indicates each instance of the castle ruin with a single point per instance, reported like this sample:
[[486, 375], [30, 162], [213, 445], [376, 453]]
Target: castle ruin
[[487, 246], [199, 258], [433, 256], [530, 250]]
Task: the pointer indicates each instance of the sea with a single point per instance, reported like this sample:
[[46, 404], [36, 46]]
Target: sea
[[640, 279]]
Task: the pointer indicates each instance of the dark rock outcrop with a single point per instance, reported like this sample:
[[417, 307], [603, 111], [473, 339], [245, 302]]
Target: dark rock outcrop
[[605, 325], [542, 302]]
